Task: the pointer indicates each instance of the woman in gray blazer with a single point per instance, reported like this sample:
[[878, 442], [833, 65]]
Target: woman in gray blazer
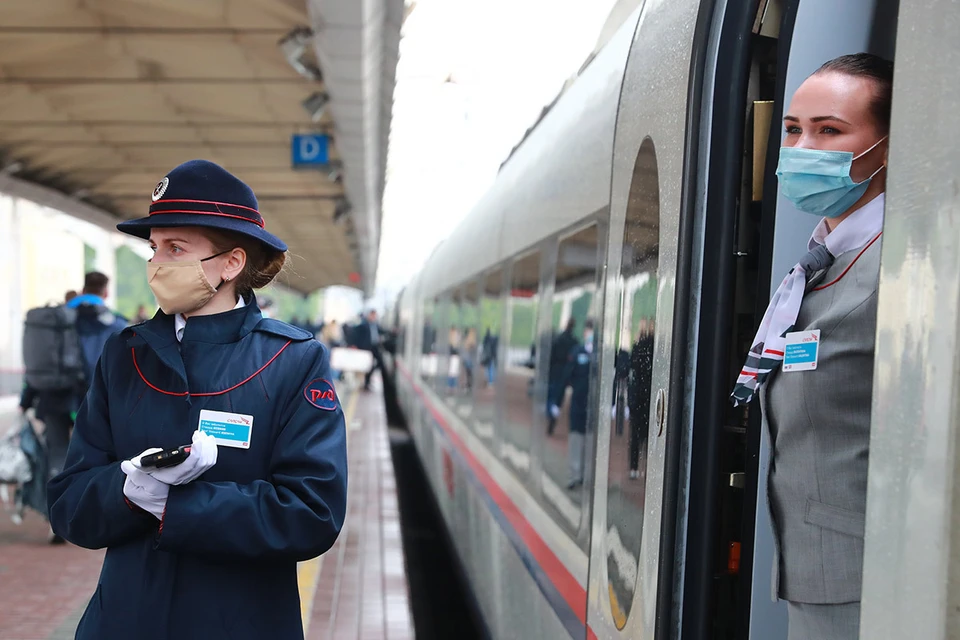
[[812, 359]]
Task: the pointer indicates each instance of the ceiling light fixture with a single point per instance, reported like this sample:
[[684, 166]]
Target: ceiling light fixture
[[294, 46], [336, 171], [316, 105], [342, 209]]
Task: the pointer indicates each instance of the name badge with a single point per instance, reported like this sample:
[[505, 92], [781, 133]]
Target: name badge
[[229, 429], [801, 351]]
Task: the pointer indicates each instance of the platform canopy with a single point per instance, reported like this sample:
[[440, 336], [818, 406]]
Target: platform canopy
[[99, 99]]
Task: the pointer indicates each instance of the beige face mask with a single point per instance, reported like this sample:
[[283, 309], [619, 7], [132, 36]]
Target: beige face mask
[[180, 287]]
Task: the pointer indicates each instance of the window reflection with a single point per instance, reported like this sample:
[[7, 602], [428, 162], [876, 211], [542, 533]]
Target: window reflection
[[519, 370], [467, 352], [428, 343], [571, 375], [490, 317], [632, 390], [450, 352]]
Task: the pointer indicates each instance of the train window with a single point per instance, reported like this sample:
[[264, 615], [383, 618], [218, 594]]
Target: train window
[[517, 386], [467, 351], [428, 343], [484, 392], [633, 362], [447, 341], [571, 374]]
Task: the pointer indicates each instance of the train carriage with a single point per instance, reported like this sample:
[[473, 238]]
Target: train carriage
[[644, 205]]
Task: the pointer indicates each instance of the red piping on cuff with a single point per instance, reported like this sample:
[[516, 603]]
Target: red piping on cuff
[[162, 516], [133, 507]]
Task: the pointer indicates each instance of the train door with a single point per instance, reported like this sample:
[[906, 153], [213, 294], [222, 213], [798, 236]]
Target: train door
[[755, 57]]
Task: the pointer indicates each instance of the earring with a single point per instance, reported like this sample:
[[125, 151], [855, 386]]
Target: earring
[[227, 279]]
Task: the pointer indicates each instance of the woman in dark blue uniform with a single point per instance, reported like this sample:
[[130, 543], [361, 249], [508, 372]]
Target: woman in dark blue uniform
[[206, 549]]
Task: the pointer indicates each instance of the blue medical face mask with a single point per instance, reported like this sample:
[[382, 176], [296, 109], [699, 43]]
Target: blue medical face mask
[[818, 182]]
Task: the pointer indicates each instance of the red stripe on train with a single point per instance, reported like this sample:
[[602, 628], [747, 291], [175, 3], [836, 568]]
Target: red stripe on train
[[568, 586]]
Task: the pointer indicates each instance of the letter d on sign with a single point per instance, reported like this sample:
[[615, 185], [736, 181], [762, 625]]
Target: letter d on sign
[[309, 148]]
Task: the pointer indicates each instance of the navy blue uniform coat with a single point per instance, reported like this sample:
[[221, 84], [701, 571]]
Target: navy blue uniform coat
[[224, 562]]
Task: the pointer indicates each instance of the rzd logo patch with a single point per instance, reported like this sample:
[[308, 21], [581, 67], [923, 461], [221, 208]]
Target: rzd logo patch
[[320, 393]]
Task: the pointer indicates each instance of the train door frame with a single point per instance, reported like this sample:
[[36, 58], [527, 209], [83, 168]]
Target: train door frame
[[716, 146], [665, 33], [911, 583], [548, 268]]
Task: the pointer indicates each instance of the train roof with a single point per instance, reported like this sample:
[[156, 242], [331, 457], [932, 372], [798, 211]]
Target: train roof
[[559, 176]]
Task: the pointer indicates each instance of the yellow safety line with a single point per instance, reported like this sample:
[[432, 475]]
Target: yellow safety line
[[308, 572]]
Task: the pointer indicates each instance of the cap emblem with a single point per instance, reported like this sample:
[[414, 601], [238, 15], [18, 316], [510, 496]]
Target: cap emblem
[[160, 189]]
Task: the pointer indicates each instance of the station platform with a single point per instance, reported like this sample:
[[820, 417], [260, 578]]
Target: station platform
[[357, 590]]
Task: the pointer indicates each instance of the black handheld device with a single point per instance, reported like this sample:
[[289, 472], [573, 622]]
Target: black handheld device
[[168, 458]]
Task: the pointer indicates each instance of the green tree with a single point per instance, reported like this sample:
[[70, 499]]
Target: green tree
[[645, 300], [89, 258], [491, 312], [580, 309], [289, 305], [132, 287], [523, 322]]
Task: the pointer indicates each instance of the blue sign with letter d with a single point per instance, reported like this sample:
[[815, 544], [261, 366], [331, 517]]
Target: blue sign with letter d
[[310, 150]]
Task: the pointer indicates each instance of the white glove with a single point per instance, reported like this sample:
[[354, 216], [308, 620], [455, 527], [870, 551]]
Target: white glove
[[147, 493], [203, 455]]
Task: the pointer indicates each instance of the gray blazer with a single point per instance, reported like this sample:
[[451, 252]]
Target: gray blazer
[[819, 426]]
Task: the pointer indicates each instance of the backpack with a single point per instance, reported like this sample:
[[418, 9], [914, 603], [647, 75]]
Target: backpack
[[52, 356]]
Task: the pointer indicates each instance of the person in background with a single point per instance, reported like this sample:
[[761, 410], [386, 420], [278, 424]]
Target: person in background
[[620, 408], [368, 338], [56, 408], [467, 353], [453, 374], [833, 165], [429, 337], [640, 384], [489, 357], [95, 323], [331, 335], [560, 350], [576, 375], [142, 315], [349, 332]]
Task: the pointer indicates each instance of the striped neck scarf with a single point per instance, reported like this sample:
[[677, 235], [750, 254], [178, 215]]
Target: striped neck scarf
[[766, 354]]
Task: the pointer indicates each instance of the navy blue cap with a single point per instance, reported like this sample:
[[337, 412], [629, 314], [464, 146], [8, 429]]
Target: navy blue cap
[[200, 193]]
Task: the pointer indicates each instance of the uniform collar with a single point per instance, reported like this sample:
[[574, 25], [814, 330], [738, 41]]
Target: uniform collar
[[180, 323], [865, 221], [223, 328]]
